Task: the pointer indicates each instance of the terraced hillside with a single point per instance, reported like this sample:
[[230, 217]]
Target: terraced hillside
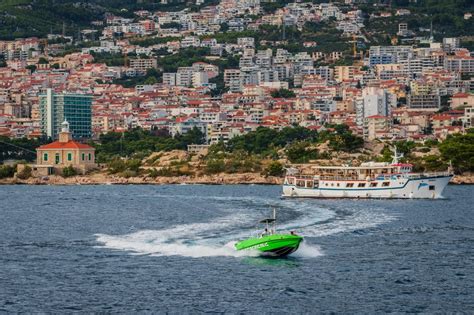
[[22, 18]]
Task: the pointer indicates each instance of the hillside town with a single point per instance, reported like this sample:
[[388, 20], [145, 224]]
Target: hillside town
[[176, 71]]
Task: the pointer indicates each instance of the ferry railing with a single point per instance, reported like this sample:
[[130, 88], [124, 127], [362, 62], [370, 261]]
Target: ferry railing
[[341, 178], [372, 178], [429, 174], [323, 177]]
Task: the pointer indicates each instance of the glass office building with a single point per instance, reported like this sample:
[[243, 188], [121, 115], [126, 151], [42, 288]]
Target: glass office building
[[76, 109]]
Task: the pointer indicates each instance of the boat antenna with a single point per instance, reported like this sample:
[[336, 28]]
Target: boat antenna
[[274, 220], [450, 166], [396, 156]]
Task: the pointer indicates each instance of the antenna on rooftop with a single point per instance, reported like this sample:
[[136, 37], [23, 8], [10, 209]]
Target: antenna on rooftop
[[284, 30], [431, 30]]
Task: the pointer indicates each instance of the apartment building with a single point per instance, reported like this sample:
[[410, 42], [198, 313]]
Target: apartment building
[[76, 109], [141, 65], [430, 101]]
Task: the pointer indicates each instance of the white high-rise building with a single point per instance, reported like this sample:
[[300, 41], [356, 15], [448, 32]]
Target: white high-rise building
[[374, 101]]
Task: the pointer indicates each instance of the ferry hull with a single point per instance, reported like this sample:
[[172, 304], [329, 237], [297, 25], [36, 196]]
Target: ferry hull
[[422, 188]]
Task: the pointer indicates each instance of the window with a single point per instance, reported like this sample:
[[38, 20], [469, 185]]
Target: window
[[373, 184], [350, 185], [83, 157], [57, 159], [432, 187], [69, 156], [361, 185], [45, 157], [90, 157], [386, 184]]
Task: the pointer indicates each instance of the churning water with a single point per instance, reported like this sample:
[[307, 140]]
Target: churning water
[[170, 249]]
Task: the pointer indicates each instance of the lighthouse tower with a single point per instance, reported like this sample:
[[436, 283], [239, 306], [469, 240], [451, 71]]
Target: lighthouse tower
[[64, 135]]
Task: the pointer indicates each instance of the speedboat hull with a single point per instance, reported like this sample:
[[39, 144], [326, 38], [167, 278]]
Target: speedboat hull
[[275, 245]]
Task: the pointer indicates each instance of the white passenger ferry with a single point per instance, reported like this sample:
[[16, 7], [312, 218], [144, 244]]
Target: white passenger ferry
[[370, 180]]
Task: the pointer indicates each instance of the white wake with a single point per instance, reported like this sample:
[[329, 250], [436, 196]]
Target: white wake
[[183, 240], [217, 238], [357, 220]]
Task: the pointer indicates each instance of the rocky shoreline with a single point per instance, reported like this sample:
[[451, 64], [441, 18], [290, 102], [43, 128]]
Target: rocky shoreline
[[222, 179], [104, 179], [465, 179]]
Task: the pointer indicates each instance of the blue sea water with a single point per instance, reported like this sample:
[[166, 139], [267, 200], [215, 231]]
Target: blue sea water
[[128, 249]]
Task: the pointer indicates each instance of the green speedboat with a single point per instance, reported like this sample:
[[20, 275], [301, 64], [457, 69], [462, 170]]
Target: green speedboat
[[270, 243]]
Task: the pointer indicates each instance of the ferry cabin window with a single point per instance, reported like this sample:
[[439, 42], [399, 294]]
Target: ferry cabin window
[[350, 185], [361, 185], [386, 184], [373, 184], [432, 187]]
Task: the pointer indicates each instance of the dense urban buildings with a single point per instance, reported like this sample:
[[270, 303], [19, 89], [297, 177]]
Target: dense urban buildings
[[236, 65]]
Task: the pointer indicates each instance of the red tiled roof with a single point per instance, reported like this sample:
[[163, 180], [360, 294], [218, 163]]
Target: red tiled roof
[[460, 95], [71, 144], [377, 117]]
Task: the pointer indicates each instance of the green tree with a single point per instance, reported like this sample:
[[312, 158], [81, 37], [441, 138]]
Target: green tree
[[434, 163], [301, 152], [42, 61], [32, 68], [69, 171], [275, 168], [459, 149], [283, 93], [7, 171], [116, 166], [342, 139], [214, 166], [25, 173], [151, 81], [19, 149]]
